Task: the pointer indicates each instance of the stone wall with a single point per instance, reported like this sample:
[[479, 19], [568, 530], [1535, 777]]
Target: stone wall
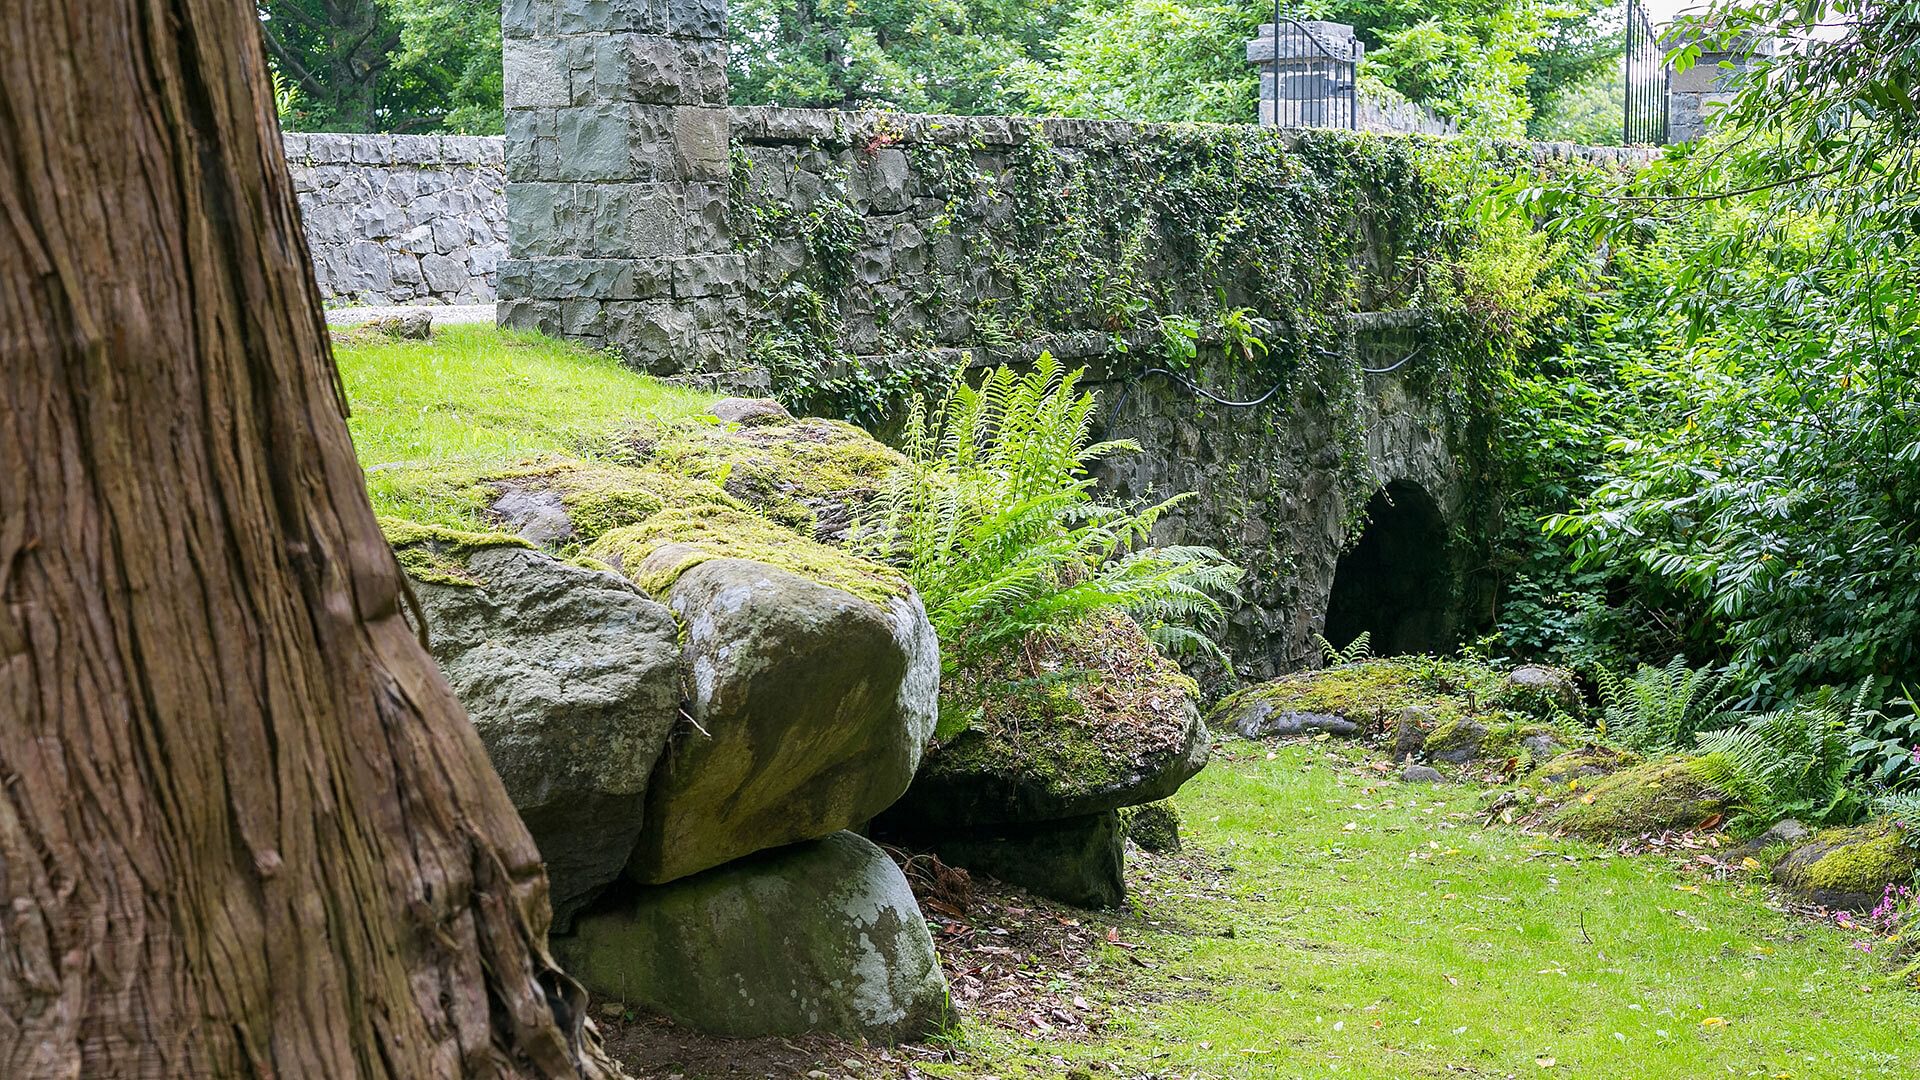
[[402, 219]]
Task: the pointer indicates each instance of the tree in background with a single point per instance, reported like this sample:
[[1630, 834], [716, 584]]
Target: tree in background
[[246, 829], [1159, 60], [909, 55], [1762, 458], [386, 65]]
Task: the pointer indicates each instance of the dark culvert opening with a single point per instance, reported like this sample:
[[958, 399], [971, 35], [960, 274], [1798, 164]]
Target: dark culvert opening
[[1394, 584]]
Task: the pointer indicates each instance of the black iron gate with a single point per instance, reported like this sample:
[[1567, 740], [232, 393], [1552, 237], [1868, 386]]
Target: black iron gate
[[1308, 78], [1646, 95]]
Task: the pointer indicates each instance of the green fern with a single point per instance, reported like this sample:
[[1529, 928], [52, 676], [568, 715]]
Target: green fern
[[1359, 650], [1657, 710], [1793, 762], [996, 521]]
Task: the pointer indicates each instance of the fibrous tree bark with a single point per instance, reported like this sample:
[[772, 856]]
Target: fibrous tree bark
[[245, 830]]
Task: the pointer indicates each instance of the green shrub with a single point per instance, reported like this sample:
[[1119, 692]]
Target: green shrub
[[995, 520]]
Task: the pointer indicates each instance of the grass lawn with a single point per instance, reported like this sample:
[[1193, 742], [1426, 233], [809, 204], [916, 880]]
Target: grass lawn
[[1373, 929], [476, 395]]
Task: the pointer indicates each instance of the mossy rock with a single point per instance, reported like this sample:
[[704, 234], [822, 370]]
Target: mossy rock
[[565, 505], [1371, 693], [440, 555], [810, 474], [1584, 766], [1650, 798], [654, 553], [1849, 869], [1546, 693], [1069, 722], [1154, 827]]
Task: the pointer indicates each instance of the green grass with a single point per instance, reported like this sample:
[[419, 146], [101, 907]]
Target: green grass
[[478, 396], [1416, 944]]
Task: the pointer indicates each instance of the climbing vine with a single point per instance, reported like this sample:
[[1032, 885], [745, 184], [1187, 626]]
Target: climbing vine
[[1230, 257]]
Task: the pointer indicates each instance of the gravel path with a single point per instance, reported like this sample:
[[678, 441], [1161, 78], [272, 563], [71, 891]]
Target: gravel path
[[443, 314]]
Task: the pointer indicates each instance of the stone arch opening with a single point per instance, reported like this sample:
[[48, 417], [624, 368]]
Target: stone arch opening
[[1396, 582]]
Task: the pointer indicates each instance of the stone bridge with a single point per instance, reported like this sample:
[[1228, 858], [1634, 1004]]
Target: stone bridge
[[847, 259]]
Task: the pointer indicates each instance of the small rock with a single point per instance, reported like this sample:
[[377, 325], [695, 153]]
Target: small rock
[[1262, 721], [1541, 746], [751, 412], [1548, 689], [1410, 731], [1154, 827], [416, 324], [1421, 774], [1849, 869], [1456, 743], [1078, 861]]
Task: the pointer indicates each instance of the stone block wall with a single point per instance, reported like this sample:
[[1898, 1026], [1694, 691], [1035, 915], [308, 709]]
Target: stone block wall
[[402, 219]]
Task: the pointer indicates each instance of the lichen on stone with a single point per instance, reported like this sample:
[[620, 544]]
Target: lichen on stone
[[436, 554], [1659, 795], [701, 532]]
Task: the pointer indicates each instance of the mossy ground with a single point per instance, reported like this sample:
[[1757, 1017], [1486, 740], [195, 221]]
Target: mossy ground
[[1375, 691], [1372, 929], [788, 471]]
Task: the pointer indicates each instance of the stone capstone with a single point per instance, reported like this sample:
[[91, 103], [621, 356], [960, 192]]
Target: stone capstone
[[810, 709], [818, 936], [572, 679]]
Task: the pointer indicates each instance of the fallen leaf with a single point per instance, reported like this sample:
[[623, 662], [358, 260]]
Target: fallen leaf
[[1545, 1062], [1714, 1022]]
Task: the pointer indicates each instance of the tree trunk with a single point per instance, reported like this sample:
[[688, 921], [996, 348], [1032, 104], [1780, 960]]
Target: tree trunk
[[245, 830]]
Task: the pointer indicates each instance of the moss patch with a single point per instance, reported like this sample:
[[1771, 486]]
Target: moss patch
[[1860, 862], [1584, 766], [809, 474], [1073, 708], [1647, 798], [439, 555], [698, 533]]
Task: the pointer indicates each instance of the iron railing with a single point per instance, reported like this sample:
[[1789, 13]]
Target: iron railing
[[1645, 106], [1307, 79]]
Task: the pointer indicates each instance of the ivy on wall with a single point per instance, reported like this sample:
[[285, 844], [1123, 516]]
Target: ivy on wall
[[1229, 256]]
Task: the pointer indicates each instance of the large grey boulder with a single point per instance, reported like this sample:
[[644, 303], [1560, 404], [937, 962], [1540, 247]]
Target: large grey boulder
[[819, 936], [572, 679], [811, 708]]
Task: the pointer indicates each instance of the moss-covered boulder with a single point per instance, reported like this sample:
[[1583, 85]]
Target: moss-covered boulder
[[1650, 798], [810, 474], [1850, 869], [1543, 691], [1373, 696], [1153, 827], [1064, 724], [572, 679], [1077, 860], [813, 688], [565, 505], [823, 936], [1583, 765]]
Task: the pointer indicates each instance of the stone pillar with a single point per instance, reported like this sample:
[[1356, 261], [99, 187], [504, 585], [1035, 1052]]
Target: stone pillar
[[617, 169], [1307, 73], [1694, 94]]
